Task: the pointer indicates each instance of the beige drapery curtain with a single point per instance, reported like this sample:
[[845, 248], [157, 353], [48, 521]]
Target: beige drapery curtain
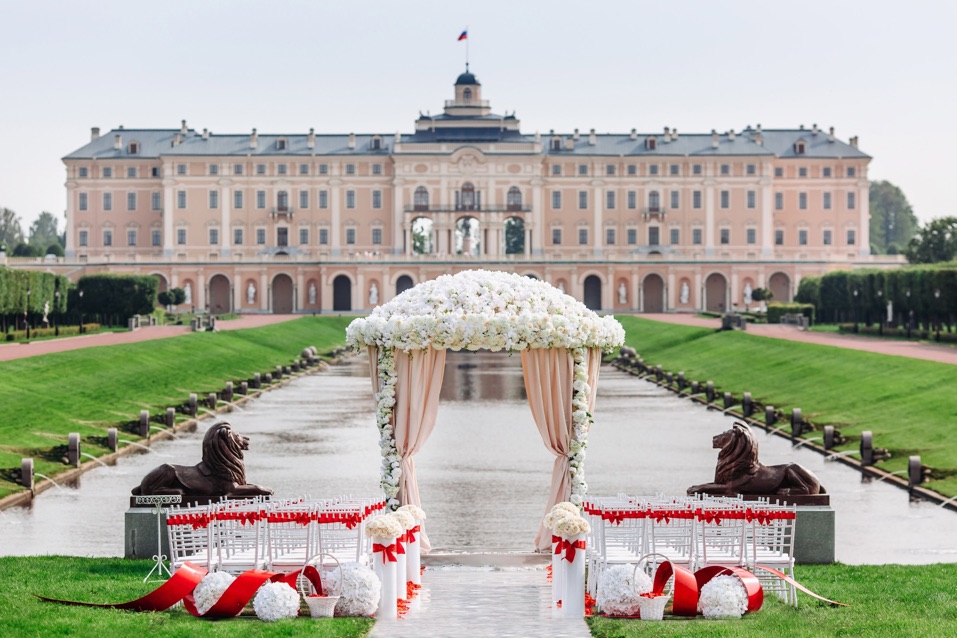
[[549, 374], [549, 377], [418, 384]]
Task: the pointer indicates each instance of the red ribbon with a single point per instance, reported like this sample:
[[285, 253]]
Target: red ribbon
[[400, 544], [388, 552], [556, 540], [569, 549], [243, 517], [410, 534], [180, 586], [196, 520]]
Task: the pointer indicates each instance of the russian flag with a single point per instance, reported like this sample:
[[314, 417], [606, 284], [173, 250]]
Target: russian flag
[[463, 36]]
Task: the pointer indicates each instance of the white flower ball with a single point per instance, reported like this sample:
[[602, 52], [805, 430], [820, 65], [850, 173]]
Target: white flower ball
[[359, 589], [211, 589], [275, 601], [619, 589], [723, 597]]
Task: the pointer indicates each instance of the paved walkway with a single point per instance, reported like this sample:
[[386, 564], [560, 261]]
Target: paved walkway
[[9, 351], [482, 601], [898, 347]]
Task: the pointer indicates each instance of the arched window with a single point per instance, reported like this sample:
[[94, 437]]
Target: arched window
[[281, 144], [514, 198], [421, 198], [467, 95], [654, 202], [467, 197], [282, 201]]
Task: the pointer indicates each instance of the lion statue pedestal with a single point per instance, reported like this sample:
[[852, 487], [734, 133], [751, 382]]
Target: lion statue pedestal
[[221, 474], [738, 471]]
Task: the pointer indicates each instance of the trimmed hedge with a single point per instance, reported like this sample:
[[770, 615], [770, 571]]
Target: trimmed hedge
[[65, 331], [777, 309], [120, 296]]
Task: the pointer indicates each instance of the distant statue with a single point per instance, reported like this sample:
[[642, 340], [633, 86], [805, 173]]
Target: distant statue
[[46, 311], [622, 293], [561, 286], [890, 312], [222, 472], [738, 470], [312, 292], [685, 292], [747, 293], [373, 295], [188, 294], [251, 293]]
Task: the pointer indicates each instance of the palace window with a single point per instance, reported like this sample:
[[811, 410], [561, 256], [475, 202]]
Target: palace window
[[237, 169], [557, 236], [582, 236], [826, 200], [108, 172], [156, 202], [350, 199], [84, 237], [779, 201], [778, 237], [674, 169], [131, 237], [466, 198], [654, 236], [826, 171], [610, 236], [180, 199], [303, 236], [107, 201], [725, 169], [282, 169], [802, 237], [350, 169], [583, 169], [238, 236], [725, 235], [131, 172], [632, 236], [237, 199], [156, 237], [556, 200], [751, 169], [610, 169], [323, 199], [214, 169], [131, 201], [214, 199], [350, 235], [696, 236], [802, 171], [181, 169], [323, 236], [610, 200], [632, 199], [513, 198], [282, 201], [377, 236], [696, 169], [377, 169], [107, 237], [851, 237], [261, 236], [653, 169], [752, 199], [752, 235], [303, 169], [213, 236], [632, 169], [675, 236], [826, 239], [725, 199], [377, 199], [556, 169], [802, 201], [696, 199], [582, 199], [420, 199], [675, 195], [851, 171], [303, 199], [654, 202], [181, 236], [84, 172], [260, 199], [851, 200]]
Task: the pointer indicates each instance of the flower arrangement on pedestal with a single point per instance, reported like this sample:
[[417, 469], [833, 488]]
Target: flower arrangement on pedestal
[[723, 597], [385, 403], [581, 422], [384, 526]]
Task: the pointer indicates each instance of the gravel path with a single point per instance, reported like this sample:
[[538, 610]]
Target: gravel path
[[9, 351], [897, 347]]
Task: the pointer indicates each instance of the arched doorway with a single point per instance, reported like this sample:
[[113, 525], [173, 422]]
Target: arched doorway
[[220, 301], [468, 240], [161, 284], [514, 236], [780, 286], [402, 284], [715, 290], [282, 295], [653, 294], [342, 293], [592, 292], [422, 236]]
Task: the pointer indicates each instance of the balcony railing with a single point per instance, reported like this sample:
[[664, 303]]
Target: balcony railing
[[653, 211], [479, 103], [282, 211], [482, 208]]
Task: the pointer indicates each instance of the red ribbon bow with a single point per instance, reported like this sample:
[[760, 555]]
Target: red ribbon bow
[[388, 552], [569, 549]]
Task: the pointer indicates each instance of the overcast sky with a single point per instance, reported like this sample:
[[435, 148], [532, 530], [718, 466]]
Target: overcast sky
[[885, 71]]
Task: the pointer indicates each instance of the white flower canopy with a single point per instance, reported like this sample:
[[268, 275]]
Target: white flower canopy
[[478, 309]]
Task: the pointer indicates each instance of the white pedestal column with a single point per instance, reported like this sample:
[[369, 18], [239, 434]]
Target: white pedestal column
[[384, 565], [573, 576]]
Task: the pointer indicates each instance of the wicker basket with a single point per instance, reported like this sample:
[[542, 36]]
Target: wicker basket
[[320, 605], [653, 608]]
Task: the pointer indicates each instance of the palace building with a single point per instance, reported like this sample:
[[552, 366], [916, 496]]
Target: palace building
[[324, 222]]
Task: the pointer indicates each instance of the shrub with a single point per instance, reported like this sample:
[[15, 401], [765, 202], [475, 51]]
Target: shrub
[[776, 310]]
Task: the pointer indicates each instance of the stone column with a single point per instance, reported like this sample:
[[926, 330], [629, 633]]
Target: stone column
[[709, 216], [225, 202], [169, 205], [201, 291], [528, 242], [264, 291]]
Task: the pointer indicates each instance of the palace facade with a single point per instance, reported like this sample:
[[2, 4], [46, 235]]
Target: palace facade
[[309, 223]]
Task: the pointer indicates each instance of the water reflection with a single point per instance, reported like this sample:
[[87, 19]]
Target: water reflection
[[484, 472]]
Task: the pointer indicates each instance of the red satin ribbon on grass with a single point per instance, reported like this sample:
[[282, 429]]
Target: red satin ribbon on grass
[[798, 585], [180, 586]]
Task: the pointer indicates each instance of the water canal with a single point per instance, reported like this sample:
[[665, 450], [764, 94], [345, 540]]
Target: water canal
[[484, 473]]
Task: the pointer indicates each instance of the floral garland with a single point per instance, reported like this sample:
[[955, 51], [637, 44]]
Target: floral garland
[[385, 405], [581, 421], [479, 309]]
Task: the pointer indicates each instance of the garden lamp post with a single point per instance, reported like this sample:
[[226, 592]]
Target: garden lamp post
[[26, 308], [910, 312], [56, 311], [880, 312], [856, 313], [937, 313], [81, 312]]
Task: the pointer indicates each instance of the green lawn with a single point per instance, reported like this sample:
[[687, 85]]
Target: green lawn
[[910, 405], [115, 580], [895, 601], [92, 389]]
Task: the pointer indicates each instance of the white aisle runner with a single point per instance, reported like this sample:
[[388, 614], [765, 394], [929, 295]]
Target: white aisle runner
[[482, 601]]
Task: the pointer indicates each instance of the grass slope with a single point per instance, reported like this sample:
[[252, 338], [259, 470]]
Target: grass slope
[[114, 580], [89, 390], [892, 600], [908, 404]]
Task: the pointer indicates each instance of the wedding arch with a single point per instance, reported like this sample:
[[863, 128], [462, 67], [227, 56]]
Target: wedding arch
[[560, 341]]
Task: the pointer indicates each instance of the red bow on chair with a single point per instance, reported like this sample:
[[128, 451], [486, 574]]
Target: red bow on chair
[[569, 549], [388, 552]]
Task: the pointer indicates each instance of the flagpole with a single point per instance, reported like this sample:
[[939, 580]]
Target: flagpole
[[466, 48]]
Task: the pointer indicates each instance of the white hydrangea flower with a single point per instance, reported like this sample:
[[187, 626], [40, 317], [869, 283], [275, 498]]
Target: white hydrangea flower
[[723, 597]]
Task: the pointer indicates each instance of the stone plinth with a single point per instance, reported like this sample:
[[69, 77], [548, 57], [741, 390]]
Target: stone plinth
[[814, 535], [140, 533]]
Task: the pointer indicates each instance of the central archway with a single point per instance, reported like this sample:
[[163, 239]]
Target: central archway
[[219, 297], [282, 295], [560, 341]]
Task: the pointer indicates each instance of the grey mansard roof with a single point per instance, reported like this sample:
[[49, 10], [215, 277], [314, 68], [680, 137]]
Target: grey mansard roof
[[156, 143]]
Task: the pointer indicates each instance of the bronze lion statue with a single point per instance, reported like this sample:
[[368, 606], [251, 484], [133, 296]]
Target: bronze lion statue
[[220, 473], [739, 472]]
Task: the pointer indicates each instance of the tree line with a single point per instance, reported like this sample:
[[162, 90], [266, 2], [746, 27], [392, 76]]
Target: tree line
[[43, 238]]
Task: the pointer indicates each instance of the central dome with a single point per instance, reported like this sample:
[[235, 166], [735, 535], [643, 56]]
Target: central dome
[[467, 78]]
